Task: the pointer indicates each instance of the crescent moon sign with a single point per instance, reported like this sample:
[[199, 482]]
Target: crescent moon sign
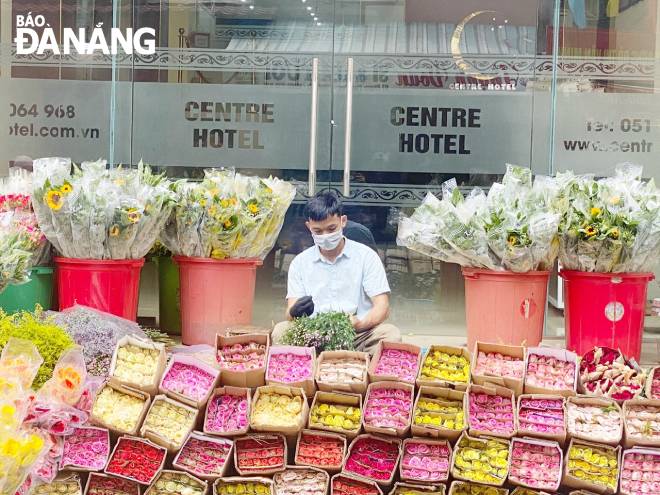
[[455, 46]]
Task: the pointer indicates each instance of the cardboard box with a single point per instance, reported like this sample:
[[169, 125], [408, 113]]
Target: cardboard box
[[241, 392], [325, 475], [309, 386], [329, 469], [156, 437], [441, 394], [105, 480], [401, 487], [427, 441], [232, 330], [561, 354], [353, 388], [192, 478], [128, 438], [191, 361], [514, 384], [199, 436], [630, 440], [455, 351], [265, 437], [143, 396], [649, 383], [483, 440], [582, 401], [453, 488], [506, 393], [74, 467], [393, 441], [349, 478], [243, 479], [557, 437], [408, 389], [633, 451], [543, 443], [161, 361], [343, 399], [383, 345], [250, 378], [282, 390], [571, 482]]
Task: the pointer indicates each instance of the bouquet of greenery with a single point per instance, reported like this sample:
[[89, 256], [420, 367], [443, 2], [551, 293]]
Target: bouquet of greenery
[[611, 224], [227, 215], [90, 212], [513, 228], [330, 331]]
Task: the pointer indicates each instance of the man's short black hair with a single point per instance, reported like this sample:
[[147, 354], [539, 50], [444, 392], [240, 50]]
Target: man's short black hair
[[324, 205]]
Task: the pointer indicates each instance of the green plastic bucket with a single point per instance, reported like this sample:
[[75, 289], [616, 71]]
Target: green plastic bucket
[[24, 297], [168, 296]]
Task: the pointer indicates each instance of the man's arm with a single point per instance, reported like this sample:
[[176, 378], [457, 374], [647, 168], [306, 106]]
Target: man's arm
[[289, 304], [377, 315]]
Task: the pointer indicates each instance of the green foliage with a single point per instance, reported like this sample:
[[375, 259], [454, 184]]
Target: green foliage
[[51, 340], [326, 332]]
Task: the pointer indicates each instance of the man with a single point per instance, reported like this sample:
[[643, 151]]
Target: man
[[338, 274]]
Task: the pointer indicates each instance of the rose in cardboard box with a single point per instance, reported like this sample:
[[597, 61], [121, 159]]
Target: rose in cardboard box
[[119, 409], [242, 357], [343, 484], [325, 451], [593, 465], [243, 486], [278, 407], [228, 412], [550, 369], [653, 384], [497, 364], [446, 364], [189, 381], [399, 361], [425, 460], [642, 422], [260, 454], [594, 419], [388, 407], [541, 416], [484, 460], [67, 485], [138, 363], [203, 456], [294, 481], [373, 458], [413, 489], [168, 423], [491, 411], [467, 488], [439, 412], [102, 484], [174, 482], [136, 459], [86, 448], [335, 411], [605, 372], [536, 464], [342, 370], [640, 472]]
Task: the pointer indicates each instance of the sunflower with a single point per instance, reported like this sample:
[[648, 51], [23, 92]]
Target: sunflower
[[512, 240], [228, 224], [202, 202], [614, 233], [591, 231], [595, 211], [253, 208], [66, 188], [133, 215], [224, 203], [54, 199], [114, 230]]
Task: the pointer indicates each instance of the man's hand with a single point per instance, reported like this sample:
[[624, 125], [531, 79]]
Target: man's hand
[[357, 324], [302, 307]]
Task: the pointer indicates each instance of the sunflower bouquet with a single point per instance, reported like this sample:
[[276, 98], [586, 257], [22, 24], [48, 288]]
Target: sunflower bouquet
[[611, 224], [227, 215], [91, 212], [513, 227]]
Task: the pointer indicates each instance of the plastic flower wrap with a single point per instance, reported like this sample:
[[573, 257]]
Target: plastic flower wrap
[[101, 484], [227, 413], [204, 456], [642, 422], [541, 415], [334, 415], [169, 422], [324, 331], [640, 473], [611, 224], [119, 409], [513, 228], [373, 458], [324, 451], [484, 460], [227, 215], [593, 464], [605, 372], [87, 448], [136, 459], [174, 481], [68, 380], [272, 409], [260, 454], [439, 412], [491, 413], [388, 407], [466, 488], [444, 364], [400, 363], [596, 420], [425, 460], [90, 212], [536, 464], [301, 480]]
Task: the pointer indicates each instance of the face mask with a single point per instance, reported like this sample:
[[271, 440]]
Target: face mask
[[328, 242]]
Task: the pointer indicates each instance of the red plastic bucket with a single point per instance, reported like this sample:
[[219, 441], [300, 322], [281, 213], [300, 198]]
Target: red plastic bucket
[[605, 309], [214, 294], [505, 307], [107, 285]]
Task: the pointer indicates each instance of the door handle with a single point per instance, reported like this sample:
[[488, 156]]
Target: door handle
[[313, 127], [346, 189]]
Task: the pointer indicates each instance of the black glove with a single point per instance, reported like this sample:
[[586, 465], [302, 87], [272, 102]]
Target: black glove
[[303, 307]]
